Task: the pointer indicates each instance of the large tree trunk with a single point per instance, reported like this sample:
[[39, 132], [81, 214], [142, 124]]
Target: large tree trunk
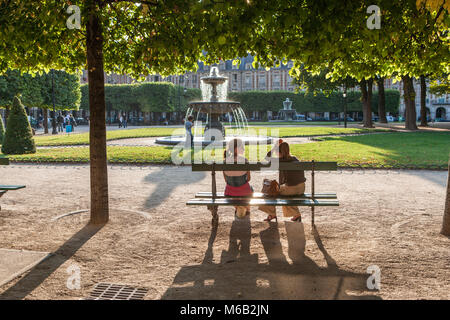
[[366, 90], [381, 101], [446, 222], [45, 113], [423, 105], [97, 129], [410, 103]]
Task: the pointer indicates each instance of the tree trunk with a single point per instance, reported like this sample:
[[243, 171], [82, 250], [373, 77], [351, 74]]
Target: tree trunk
[[366, 90], [45, 113], [97, 129], [410, 103], [381, 101], [446, 223], [423, 105]]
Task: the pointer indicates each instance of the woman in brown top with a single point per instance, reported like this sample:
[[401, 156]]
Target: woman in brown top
[[291, 183]]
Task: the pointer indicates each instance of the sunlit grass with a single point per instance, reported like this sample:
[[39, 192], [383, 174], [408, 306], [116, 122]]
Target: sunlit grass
[[390, 150], [83, 138]]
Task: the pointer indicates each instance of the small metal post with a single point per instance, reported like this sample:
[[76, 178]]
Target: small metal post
[[312, 195]]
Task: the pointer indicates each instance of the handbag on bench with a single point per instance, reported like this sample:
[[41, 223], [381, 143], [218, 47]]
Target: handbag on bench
[[270, 189]]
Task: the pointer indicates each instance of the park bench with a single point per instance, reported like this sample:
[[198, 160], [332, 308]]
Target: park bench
[[5, 188], [215, 199]]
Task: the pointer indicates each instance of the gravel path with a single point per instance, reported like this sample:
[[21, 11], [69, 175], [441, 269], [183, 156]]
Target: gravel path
[[390, 219]]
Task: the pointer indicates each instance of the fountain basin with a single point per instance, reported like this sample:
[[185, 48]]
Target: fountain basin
[[199, 140]]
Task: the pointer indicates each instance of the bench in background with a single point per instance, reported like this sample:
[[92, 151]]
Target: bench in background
[[5, 188]]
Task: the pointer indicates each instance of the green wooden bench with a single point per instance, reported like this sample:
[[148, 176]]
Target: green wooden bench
[[4, 188], [212, 200]]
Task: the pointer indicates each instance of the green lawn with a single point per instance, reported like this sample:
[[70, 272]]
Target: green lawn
[[314, 123], [83, 138], [391, 150]]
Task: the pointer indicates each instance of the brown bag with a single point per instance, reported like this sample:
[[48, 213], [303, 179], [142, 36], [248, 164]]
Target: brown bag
[[270, 188]]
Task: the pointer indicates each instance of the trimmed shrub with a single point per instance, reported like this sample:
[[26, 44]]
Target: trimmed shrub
[[18, 137], [2, 130]]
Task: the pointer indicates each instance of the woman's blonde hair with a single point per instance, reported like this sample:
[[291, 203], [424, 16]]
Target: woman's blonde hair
[[233, 147]]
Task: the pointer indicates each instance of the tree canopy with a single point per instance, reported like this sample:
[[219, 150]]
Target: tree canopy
[[36, 91]]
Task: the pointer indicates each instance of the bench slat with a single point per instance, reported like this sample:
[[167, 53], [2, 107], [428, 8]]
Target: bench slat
[[11, 187], [324, 195], [4, 161], [261, 202], [288, 166]]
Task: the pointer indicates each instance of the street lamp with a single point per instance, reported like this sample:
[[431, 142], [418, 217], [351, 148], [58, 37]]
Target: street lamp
[[345, 106], [54, 131]]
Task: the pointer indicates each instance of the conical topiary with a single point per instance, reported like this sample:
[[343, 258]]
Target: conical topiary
[[2, 129], [18, 137]]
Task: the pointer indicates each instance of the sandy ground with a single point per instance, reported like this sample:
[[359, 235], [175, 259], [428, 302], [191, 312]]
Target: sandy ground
[[390, 219]]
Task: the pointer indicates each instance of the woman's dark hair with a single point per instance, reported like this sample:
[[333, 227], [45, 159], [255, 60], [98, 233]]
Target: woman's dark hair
[[190, 118], [285, 152]]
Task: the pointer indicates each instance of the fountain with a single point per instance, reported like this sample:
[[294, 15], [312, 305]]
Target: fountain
[[287, 113], [214, 115]]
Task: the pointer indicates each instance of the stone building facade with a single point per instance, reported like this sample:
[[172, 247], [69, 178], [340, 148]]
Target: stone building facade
[[246, 78]]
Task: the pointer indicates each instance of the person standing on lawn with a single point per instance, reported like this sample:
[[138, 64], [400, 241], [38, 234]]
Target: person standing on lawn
[[189, 136]]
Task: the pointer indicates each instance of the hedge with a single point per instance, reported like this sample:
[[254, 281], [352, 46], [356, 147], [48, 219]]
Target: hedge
[[145, 97], [166, 97], [273, 101]]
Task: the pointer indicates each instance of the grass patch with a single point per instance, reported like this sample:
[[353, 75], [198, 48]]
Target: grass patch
[[83, 138], [393, 150], [424, 150]]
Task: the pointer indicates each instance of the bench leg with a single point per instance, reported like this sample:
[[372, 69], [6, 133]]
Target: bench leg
[[215, 216], [312, 217], [1, 194]]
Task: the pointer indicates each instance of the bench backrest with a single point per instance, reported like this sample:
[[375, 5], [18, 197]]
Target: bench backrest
[[4, 161], [286, 166]]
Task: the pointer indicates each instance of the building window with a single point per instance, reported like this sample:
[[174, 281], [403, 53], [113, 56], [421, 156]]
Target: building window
[[248, 66], [248, 81], [276, 82], [221, 65], [262, 82]]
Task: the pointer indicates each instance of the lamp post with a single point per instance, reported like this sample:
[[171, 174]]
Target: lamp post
[[345, 106], [54, 131]]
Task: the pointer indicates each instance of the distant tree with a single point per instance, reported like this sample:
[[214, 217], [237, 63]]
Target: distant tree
[[18, 137], [2, 129], [423, 105], [381, 100]]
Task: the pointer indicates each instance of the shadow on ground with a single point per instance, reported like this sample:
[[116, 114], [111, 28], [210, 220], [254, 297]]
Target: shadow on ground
[[43, 270], [240, 276], [166, 180]]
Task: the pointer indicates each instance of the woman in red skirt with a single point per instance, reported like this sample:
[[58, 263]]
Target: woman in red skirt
[[237, 181]]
